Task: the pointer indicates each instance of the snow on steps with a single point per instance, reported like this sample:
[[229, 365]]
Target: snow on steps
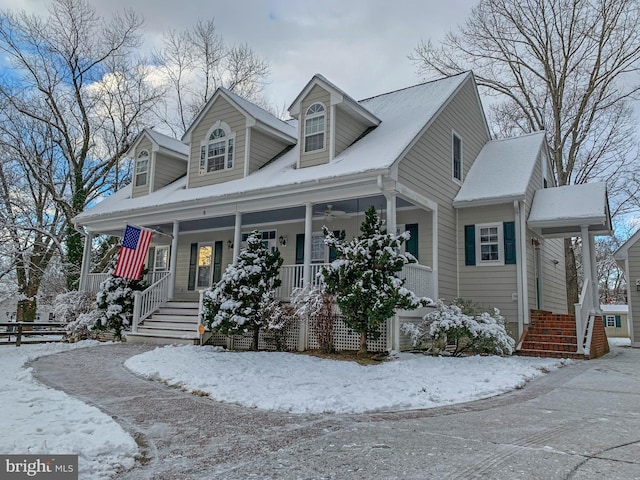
[[173, 323]]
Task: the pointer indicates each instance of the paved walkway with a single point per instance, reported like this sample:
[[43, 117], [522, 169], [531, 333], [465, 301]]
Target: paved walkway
[[581, 422]]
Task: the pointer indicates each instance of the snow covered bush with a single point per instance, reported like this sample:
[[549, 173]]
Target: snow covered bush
[[467, 333], [78, 311], [315, 304], [243, 301], [364, 277], [115, 303]]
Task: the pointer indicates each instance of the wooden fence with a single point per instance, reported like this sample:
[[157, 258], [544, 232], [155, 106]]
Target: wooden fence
[[24, 332]]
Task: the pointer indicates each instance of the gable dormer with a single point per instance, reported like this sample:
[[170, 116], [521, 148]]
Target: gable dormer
[[157, 161], [329, 121], [230, 138]]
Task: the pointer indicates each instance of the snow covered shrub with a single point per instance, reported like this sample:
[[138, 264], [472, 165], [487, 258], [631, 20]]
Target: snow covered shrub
[[115, 302], [78, 311], [364, 277], [318, 306], [243, 300], [481, 333], [279, 318]]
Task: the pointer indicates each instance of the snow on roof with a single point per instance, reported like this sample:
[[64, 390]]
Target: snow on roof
[[572, 204], [262, 115], [167, 142], [404, 113], [606, 308], [501, 172]]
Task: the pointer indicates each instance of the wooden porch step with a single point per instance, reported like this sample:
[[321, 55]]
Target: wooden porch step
[[161, 325], [177, 311], [163, 339], [186, 319]]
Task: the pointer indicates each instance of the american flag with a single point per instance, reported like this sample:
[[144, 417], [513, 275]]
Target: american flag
[[132, 252]]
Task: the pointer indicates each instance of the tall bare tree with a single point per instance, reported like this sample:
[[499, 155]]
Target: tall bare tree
[[196, 61], [565, 66], [75, 76]]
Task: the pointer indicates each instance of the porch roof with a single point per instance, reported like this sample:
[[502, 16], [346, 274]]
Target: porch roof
[[563, 211], [404, 114]]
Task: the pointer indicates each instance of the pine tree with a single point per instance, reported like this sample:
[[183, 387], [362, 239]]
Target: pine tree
[[244, 297], [364, 277]]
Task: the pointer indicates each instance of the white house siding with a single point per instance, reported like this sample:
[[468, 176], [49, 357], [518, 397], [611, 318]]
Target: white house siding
[[223, 111], [427, 169], [317, 94], [348, 129], [489, 285], [262, 148], [145, 144], [633, 275], [167, 170]]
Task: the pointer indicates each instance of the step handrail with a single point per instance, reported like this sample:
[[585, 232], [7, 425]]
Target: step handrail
[[147, 301]]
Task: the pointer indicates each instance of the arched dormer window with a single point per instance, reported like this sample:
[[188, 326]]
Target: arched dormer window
[[142, 168], [314, 128], [216, 151]]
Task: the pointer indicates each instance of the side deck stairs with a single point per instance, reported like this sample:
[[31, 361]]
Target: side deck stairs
[[173, 323]]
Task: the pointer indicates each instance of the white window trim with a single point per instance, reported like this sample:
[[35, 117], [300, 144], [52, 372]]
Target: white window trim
[[459, 181], [324, 131], [500, 260], [155, 258], [229, 136], [613, 319], [147, 158]]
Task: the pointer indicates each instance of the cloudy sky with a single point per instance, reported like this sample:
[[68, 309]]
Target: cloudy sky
[[360, 45]]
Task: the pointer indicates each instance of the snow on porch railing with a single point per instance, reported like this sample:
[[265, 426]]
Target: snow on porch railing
[[418, 278], [147, 301]]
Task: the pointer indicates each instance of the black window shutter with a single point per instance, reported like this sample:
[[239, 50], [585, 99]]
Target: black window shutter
[[412, 244], [193, 258], [469, 244], [299, 248], [151, 259], [509, 232], [618, 321]]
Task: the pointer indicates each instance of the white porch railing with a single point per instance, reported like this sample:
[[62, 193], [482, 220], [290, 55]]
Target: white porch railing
[[95, 279], [418, 279], [582, 317], [147, 301]]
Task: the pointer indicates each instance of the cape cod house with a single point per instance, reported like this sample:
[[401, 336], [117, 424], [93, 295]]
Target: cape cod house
[[482, 224]]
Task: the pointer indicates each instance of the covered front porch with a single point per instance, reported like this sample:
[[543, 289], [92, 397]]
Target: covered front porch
[[188, 256]]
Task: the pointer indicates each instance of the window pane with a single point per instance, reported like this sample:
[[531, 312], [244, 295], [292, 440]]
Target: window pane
[[314, 125], [489, 252], [162, 259], [204, 265], [457, 158], [314, 142], [317, 248]]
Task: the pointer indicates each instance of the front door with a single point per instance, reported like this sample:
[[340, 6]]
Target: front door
[[204, 265]]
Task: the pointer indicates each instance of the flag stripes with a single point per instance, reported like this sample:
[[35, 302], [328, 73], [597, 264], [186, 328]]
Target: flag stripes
[[133, 251]]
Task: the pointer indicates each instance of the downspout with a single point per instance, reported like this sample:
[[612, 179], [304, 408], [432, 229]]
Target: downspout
[[519, 264]]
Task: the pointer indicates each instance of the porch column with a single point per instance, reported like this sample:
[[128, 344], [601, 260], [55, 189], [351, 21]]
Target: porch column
[[173, 260], [237, 238], [594, 274], [587, 267], [86, 261], [308, 231], [394, 342]]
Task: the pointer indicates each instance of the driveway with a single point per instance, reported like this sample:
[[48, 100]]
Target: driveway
[[580, 422]]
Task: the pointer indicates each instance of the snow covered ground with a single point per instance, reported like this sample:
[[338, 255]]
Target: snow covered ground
[[36, 419], [304, 384]]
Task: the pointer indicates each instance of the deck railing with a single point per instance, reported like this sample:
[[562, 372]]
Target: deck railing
[[147, 301], [418, 278], [95, 279], [582, 318]]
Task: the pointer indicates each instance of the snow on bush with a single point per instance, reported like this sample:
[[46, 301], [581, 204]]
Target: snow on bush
[[115, 302], [243, 301], [78, 311], [467, 333], [319, 307]]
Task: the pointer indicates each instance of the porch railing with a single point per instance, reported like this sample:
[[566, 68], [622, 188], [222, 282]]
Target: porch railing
[[147, 301], [583, 314], [95, 279], [418, 278]]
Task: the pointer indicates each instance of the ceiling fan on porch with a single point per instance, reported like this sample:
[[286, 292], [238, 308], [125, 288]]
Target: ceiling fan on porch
[[330, 213]]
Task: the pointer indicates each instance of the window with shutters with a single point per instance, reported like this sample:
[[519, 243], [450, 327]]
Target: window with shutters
[[490, 244]]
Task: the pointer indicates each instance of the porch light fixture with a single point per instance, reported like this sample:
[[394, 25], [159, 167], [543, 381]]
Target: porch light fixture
[[282, 241], [229, 244]]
